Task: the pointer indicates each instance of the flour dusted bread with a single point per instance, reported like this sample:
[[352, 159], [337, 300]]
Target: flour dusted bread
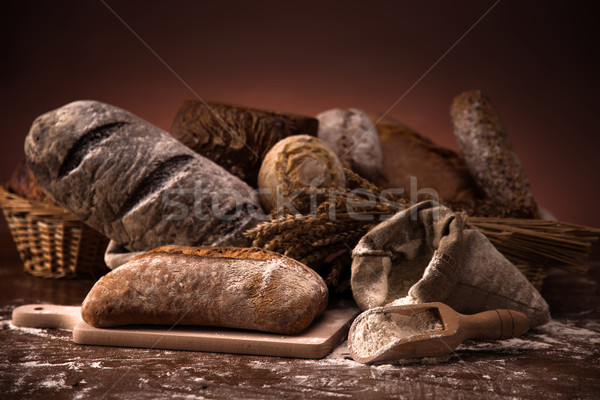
[[134, 182], [247, 288], [488, 151], [295, 164], [353, 138]]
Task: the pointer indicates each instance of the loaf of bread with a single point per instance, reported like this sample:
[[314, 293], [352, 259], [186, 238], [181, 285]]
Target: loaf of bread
[[353, 138], [296, 164], [23, 183], [134, 182], [246, 288], [408, 155], [489, 153], [235, 137]]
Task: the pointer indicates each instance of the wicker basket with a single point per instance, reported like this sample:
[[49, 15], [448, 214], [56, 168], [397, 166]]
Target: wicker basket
[[51, 241]]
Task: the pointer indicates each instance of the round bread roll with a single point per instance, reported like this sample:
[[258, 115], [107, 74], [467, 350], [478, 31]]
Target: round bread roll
[[353, 137], [23, 183], [296, 163], [412, 162]]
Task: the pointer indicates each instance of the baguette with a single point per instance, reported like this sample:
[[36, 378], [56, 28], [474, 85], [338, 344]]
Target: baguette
[[246, 288], [134, 182]]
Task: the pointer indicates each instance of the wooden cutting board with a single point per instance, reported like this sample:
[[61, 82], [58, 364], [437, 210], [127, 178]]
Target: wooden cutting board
[[316, 341]]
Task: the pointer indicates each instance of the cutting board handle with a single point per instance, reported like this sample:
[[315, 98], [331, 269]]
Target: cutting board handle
[[46, 316]]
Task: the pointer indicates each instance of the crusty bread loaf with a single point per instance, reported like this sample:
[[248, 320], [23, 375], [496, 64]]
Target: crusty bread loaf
[[408, 154], [23, 183], [489, 153], [247, 288], [295, 164], [134, 182], [354, 139], [236, 137]]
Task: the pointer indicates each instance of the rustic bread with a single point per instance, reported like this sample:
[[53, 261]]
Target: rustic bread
[[247, 288], [408, 154], [134, 182], [354, 139], [488, 151], [236, 137], [23, 183], [296, 164]]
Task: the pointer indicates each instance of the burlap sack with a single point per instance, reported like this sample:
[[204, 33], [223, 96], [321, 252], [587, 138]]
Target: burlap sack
[[423, 255]]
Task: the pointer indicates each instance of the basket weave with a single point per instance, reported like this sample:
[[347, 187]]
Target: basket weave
[[52, 242]]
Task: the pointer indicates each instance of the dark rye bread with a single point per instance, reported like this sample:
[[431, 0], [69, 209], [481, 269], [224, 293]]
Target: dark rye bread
[[246, 288], [134, 182], [235, 137]]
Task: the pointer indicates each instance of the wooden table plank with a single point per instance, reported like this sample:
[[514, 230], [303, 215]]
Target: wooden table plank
[[559, 360]]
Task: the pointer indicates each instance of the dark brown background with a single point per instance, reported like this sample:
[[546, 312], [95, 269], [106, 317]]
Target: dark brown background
[[535, 60]]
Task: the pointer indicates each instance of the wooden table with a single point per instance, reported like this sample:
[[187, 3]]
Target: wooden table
[[558, 360]]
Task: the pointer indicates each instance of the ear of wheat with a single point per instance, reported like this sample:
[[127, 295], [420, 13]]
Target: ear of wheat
[[331, 222]]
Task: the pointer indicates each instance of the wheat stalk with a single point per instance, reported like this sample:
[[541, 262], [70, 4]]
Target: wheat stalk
[[334, 228]]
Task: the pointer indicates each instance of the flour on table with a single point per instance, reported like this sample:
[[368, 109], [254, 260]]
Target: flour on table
[[55, 382], [41, 332]]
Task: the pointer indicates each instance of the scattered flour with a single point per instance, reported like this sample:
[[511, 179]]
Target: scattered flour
[[55, 382], [41, 332], [557, 328], [379, 331]]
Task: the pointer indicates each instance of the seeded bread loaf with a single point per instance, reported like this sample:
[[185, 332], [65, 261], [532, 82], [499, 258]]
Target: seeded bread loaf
[[489, 153], [134, 182], [247, 288]]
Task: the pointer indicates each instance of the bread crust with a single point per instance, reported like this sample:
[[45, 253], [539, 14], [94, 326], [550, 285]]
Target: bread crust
[[236, 137], [246, 288], [488, 151], [134, 182], [408, 155]]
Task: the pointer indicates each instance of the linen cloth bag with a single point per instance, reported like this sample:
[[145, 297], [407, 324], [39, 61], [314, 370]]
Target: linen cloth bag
[[422, 255]]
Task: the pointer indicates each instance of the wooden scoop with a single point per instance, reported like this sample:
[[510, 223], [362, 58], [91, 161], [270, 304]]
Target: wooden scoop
[[441, 330]]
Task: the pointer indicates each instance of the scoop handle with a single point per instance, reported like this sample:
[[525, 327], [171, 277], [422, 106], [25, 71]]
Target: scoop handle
[[493, 325]]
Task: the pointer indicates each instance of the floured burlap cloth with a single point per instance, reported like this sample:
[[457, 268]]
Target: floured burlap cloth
[[422, 255]]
